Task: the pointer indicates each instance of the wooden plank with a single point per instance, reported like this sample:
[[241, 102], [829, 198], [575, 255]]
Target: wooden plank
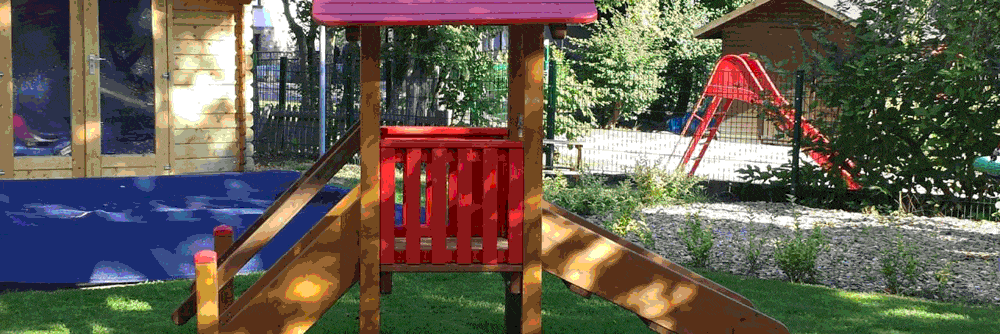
[[489, 208], [204, 18], [200, 47], [428, 244], [441, 131], [241, 86], [553, 211], [370, 114], [453, 193], [609, 269], [441, 12], [515, 91], [188, 79], [515, 206], [465, 210], [164, 63], [209, 121], [42, 163], [7, 94], [533, 64], [411, 203], [204, 136], [161, 52], [387, 202], [279, 213], [337, 221], [205, 165], [202, 5], [209, 150], [187, 103], [91, 113], [437, 203], [450, 267], [222, 61], [450, 143], [42, 174], [127, 160], [304, 289], [130, 171]]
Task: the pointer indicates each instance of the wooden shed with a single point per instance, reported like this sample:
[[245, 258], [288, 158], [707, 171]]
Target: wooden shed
[[97, 88], [771, 28]]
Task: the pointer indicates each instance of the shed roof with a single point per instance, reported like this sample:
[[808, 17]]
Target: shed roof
[[839, 9], [453, 12]]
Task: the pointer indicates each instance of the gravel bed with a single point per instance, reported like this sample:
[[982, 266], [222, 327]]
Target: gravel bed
[[856, 240]]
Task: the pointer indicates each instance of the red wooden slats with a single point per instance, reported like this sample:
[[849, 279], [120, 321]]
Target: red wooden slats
[[477, 193], [437, 131], [453, 194], [502, 189], [387, 204], [437, 203], [448, 143], [515, 213], [411, 205], [490, 161], [465, 209]]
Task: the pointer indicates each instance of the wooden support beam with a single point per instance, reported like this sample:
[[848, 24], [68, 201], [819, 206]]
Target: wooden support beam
[[515, 91], [577, 289], [368, 243], [512, 301], [207, 290], [385, 283], [532, 67]]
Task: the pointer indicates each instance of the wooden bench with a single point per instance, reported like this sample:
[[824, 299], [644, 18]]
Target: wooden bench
[[569, 143]]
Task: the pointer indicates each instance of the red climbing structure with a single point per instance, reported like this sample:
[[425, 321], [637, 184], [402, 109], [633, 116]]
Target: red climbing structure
[[744, 79]]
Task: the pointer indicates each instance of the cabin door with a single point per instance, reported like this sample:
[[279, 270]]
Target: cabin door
[[85, 88]]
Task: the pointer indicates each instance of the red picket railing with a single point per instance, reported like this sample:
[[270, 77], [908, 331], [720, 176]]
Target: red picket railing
[[474, 194]]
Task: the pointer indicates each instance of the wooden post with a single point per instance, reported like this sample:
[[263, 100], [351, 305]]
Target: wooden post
[[207, 288], [223, 240], [533, 133], [241, 123], [515, 92], [368, 313]]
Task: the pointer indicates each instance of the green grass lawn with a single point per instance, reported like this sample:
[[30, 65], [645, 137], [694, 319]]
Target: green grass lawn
[[473, 303]]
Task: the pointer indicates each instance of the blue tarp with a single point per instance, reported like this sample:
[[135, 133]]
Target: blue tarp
[[676, 124], [129, 229]]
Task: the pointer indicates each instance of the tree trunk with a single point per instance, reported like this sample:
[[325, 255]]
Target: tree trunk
[[616, 113]]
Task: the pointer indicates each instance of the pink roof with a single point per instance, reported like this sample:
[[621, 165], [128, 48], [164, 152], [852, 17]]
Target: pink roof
[[452, 12]]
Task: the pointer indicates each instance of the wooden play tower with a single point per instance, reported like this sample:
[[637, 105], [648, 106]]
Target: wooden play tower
[[484, 210]]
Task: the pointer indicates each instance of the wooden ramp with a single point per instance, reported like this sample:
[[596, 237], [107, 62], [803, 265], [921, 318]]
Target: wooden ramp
[[277, 216], [668, 297]]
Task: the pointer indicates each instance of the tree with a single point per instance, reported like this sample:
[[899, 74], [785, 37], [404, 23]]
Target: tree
[[623, 58], [919, 94]]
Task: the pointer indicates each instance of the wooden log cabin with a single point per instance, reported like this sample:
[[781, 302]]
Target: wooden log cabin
[[771, 28], [98, 88]]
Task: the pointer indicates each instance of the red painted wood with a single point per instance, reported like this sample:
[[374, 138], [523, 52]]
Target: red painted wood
[[453, 194], [411, 205], [489, 208], [387, 204], [440, 131], [502, 190], [465, 183], [515, 213], [449, 143], [437, 203], [436, 12], [477, 193]]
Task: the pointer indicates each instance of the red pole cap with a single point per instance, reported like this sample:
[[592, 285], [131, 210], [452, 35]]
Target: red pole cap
[[222, 230], [204, 256]]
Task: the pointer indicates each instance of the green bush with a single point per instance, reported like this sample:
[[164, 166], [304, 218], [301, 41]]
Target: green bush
[[657, 185], [588, 197], [899, 263], [698, 240], [796, 257], [942, 277]]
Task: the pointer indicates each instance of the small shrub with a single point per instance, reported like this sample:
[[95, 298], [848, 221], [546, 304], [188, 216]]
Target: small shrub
[[752, 247], [796, 257], [589, 196], [899, 263], [942, 277], [658, 185], [698, 240]]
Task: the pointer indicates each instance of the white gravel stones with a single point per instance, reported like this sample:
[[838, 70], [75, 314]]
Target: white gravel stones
[[856, 240]]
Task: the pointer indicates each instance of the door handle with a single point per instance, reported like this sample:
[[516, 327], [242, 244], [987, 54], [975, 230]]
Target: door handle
[[93, 61]]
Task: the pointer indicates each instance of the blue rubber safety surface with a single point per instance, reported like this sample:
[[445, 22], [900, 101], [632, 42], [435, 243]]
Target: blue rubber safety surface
[[133, 229]]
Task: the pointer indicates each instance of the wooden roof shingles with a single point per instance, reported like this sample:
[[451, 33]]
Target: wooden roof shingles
[[452, 12]]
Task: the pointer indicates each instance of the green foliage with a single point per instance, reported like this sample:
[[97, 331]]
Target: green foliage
[[899, 263], [752, 246], [796, 256], [623, 58], [698, 240], [589, 196], [658, 185], [575, 99], [918, 94]]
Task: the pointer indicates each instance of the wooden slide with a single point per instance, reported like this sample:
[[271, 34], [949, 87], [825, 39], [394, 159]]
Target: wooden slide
[[668, 297]]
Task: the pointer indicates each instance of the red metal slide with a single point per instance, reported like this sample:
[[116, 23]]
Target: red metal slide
[[738, 77]]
